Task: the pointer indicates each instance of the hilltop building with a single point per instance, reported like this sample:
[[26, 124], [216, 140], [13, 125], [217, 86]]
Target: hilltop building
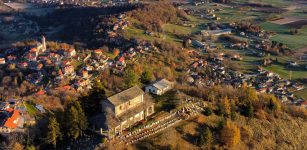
[[122, 111]]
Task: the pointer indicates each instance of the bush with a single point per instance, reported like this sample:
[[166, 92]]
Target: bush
[[207, 111], [205, 138]]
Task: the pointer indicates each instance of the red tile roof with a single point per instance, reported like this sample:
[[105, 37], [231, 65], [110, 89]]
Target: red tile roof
[[41, 92], [13, 120], [121, 59]]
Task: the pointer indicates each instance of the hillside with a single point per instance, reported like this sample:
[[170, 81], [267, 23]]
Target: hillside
[[277, 133], [4, 8]]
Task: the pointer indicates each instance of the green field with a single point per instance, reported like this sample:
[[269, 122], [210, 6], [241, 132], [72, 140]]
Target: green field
[[282, 35], [285, 73], [302, 93], [275, 3], [172, 28], [30, 109]]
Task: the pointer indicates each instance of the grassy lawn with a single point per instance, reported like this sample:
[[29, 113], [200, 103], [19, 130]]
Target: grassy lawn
[[165, 101], [31, 109], [293, 41], [137, 33], [274, 27], [284, 72], [172, 28], [275, 3], [237, 14], [302, 93]]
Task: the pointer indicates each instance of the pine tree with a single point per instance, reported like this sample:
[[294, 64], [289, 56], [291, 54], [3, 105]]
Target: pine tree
[[53, 134], [76, 120], [82, 123], [91, 102], [131, 78], [72, 127], [233, 112], [248, 110], [147, 77], [205, 138]]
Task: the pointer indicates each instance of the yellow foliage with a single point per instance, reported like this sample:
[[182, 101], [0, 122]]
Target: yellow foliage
[[230, 134], [226, 104]]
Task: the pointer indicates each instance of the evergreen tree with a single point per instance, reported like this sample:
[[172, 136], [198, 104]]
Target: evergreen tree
[[248, 110], [72, 126], [76, 120], [130, 78], [233, 112], [205, 138], [82, 123], [147, 77], [221, 109], [91, 102], [53, 133], [207, 111]]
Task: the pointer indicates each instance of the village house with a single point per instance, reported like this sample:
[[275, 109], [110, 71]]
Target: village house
[[70, 52], [4, 106], [2, 61], [159, 87], [23, 65], [82, 84], [122, 111], [121, 61], [215, 32], [69, 69], [10, 121], [11, 58]]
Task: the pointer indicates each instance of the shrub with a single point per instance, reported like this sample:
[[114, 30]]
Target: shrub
[[207, 111]]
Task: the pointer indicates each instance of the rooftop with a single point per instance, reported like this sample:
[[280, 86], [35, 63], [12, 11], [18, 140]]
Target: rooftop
[[162, 84], [126, 95]]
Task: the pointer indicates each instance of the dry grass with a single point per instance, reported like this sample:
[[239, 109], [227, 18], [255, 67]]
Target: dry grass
[[284, 132]]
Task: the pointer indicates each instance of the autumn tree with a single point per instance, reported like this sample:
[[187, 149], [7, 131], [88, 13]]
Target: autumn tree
[[230, 134], [274, 104], [53, 132], [116, 52], [227, 106]]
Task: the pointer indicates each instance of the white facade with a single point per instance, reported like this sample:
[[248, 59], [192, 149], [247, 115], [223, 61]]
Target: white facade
[[159, 87]]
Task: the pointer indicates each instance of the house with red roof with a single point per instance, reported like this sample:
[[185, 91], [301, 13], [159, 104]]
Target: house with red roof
[[41, 92], [121, 61], [70, 52], [12, 122]]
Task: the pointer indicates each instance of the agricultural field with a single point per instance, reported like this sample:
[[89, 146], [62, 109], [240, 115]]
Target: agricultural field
[[282, 35]]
